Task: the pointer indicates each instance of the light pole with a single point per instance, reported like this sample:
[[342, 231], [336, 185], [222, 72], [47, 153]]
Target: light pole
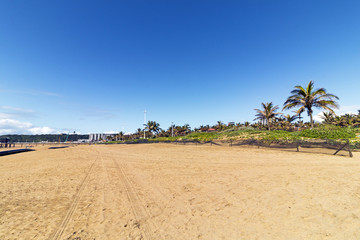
[[172, 129], [144, 122]]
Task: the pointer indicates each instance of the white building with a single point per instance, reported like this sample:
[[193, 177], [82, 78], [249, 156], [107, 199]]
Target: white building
[[82, 141], [96, 137]]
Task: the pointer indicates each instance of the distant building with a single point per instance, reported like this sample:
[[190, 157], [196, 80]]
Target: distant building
[[96, 137], [82, 141], [231, 123]]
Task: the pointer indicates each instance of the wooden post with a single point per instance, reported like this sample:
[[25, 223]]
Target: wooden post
[[350, 153], [230, 142], [343, 146], [297, 146]]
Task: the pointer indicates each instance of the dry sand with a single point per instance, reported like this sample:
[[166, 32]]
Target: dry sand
[[160, 191]]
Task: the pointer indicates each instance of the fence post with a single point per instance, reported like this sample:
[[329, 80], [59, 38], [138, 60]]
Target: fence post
[[297, 146], [343, 146], [350, 153]]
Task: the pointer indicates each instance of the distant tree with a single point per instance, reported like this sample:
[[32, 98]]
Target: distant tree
[[288, 118], [204, 128], [153, 127], [219, 125], [164, 133], [298, 114], [44, 137], [186, 128], [307, 98], [267, 112], [328, 117], [261, 123], [357, 120], [119, 136], [348, 119]]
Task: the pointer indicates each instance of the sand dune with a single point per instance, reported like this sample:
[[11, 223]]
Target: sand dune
[[161, 191]]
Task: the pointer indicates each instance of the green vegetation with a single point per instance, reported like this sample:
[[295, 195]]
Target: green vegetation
[[244, 134], [334, 134], [324, 132], [329, 132]]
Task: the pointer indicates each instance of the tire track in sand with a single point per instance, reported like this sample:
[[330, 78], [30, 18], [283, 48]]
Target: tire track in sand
[[60, 231], [138, 209]]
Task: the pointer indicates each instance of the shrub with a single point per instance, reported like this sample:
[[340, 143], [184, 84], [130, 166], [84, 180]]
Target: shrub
[[329, 132]]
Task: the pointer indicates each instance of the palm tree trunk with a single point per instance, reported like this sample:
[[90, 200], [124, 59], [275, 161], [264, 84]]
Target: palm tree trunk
[[268, 123], [311, 120]]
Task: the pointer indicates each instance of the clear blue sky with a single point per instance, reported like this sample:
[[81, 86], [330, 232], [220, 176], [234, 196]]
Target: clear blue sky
[[95, 66]]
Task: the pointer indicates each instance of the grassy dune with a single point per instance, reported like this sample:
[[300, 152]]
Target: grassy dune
[[324, 132]]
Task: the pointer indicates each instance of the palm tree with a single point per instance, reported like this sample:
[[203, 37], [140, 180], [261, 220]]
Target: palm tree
[[261, 119], [308, 98], [163, 133], [357, 120], [328, 117], [139, 131], [153, 127], [268, 113], [348, 119], [119, 136], [186, 128], [204, 128], [288, 118], [219, 125]]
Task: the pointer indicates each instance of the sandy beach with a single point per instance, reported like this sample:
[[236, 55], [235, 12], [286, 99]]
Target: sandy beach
[[166, 191]]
